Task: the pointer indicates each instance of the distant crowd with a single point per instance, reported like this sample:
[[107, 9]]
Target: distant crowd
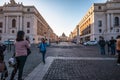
[[113, 47]]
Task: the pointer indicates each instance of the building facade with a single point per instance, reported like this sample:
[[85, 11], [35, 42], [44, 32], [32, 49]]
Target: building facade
[[15, 16], [102, 19], [63, 37]]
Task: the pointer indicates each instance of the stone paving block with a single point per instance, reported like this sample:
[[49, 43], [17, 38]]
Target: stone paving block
[[82, 70]]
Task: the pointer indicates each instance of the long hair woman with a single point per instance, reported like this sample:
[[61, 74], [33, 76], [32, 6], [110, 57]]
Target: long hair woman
[[21, 46]]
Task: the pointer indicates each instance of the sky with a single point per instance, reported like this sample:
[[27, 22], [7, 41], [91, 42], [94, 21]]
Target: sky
[[61, 15]]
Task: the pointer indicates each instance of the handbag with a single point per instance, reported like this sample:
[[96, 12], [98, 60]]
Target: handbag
[[12, 61], [2, 66], [28, 51]]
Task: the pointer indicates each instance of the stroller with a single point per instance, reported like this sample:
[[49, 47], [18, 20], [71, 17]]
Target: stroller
[[3, 68]]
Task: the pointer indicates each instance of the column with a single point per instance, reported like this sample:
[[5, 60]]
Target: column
[[20, 22], [7, 24], [17, 22], [112, 22], [23, 23], [108, 23], [4, 29]]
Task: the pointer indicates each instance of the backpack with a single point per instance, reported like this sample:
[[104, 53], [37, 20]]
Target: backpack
[[42, 47]]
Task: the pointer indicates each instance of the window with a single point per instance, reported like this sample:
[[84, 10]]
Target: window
[[99, 23], [13, 23], [28, 9], [95, 39], [116, 21], [117, 30], [28, 31], [13, 31], [28, 24], [1, 24], [0, 31], [100, 30], [99, 7], [1, 9]]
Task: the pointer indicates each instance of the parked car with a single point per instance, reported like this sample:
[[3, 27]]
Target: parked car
[[90, 43], [9, 42]]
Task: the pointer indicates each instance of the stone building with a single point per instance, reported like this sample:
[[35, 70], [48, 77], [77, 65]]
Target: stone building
[[15, 16], [63, 37], [102, 19]]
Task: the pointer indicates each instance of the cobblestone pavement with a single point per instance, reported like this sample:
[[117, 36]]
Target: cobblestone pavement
[[76, 68], [82, 70]]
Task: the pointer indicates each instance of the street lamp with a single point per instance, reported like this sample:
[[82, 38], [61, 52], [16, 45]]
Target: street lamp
[[48, 35], [78, 34]]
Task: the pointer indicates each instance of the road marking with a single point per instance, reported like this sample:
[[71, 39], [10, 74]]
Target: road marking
[[83, 58]]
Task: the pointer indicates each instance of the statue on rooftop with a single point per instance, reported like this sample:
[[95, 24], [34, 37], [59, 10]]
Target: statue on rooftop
[[12, 1]]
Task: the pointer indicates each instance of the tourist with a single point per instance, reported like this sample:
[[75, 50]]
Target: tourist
[[112, 46], [42, 48], [118, 49], [102, 43], [21, 46]]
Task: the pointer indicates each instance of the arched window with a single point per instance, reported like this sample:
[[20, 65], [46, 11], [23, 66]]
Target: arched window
[[116, 21], [13, 23]]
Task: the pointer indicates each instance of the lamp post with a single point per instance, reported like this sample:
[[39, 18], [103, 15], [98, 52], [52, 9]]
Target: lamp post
[[78, 34], [48, 36]]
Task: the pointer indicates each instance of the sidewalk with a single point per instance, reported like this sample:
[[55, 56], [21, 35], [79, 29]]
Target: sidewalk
[[76, 68]]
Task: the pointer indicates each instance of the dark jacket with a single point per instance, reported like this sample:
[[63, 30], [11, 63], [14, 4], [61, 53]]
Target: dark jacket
[[2, 49], [101, 43]]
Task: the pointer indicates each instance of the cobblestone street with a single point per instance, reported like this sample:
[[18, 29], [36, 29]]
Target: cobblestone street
[[82, 70], [76, 62], [67, 61]]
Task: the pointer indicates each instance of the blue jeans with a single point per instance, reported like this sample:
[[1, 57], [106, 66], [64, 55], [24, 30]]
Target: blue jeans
[[102, 50], [19, 66], [113, 51], [43, 56]]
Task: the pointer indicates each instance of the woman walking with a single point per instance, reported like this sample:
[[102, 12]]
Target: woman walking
[[21, 46]]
